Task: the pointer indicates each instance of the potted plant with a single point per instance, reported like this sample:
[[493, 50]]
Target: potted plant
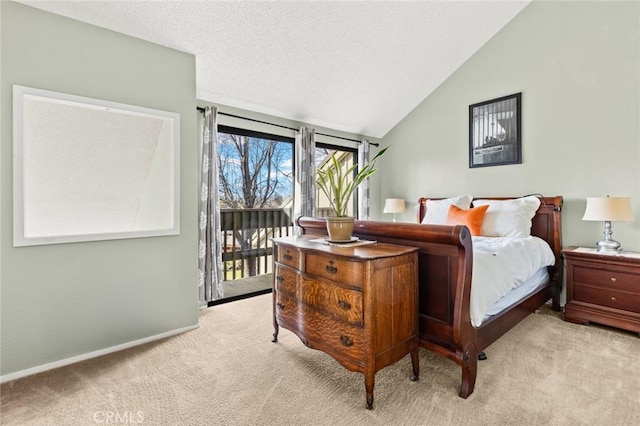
[[338, 185]]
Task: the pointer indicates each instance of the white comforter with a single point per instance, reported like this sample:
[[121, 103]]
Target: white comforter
[[501, 264]]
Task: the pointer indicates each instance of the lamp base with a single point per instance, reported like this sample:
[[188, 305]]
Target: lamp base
[[608, 246]]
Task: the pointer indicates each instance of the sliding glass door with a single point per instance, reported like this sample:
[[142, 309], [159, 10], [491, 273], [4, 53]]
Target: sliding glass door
[[256, 200], [256, 203]]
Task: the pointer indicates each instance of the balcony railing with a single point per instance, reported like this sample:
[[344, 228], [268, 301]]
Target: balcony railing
[[246, 239]]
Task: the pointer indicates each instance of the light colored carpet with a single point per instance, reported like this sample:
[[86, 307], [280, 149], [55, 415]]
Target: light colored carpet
[[228, 372]]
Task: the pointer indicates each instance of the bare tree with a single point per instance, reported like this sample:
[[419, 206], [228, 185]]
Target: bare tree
[[251, 177], [250, 171]]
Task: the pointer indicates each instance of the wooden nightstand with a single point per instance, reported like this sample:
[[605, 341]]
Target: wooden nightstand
[[358, 304], [603, 288]]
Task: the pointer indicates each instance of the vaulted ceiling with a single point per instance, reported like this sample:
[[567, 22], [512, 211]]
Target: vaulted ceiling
[[355, 66]]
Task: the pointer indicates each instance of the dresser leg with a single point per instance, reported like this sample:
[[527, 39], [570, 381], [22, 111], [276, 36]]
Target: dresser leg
[[415, 364], [369, 381], [276, 328]]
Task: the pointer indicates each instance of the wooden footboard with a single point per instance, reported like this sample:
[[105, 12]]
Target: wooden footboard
[[445, 258]]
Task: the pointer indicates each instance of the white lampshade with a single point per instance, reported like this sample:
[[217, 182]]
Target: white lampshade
[[612, 209], [608, 209], [394, 205]]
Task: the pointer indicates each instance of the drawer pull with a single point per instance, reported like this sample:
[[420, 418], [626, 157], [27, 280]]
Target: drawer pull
[[279, 278], [280, 305], [330, 268], [613, 279], [346, 340], [344, 305], [613, 299], [287, 256]]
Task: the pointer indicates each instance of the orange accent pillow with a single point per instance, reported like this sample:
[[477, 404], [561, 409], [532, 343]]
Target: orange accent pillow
[[472, 217]]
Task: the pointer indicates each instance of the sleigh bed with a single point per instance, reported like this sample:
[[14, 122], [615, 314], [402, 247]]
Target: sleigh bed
[[446, 264]]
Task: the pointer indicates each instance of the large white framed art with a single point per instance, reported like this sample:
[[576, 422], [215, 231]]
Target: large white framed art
[[86, 169]]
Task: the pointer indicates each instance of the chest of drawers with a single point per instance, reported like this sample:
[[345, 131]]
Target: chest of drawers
[[358, 304], [604, 289]]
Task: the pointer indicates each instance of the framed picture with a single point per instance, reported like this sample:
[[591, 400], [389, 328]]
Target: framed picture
[[494, 132]]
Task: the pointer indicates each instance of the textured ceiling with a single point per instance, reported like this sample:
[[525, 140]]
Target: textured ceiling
[[358, 66]]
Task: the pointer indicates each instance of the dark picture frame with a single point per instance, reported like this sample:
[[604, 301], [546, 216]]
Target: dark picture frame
[[495, 132]]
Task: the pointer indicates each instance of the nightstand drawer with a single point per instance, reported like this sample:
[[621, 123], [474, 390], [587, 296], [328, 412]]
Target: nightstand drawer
[[336, 269], [605, 278], [607, 297]]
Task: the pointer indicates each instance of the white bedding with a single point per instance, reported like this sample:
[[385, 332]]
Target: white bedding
[[501, 264]]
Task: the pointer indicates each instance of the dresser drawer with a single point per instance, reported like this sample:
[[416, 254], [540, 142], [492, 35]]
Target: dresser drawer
[[341, 303], [336, 269], [602, 277], [286, 310], [320, 331], [285, 280], [288, 256], [607, 297]]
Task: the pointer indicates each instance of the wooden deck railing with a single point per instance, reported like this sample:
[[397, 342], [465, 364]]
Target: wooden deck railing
[[246, 239]]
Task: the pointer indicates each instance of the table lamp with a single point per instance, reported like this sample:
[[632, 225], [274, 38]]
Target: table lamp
[[608, 209], [395, 206]]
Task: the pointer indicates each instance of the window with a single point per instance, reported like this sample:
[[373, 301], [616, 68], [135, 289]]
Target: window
[[347, 157], [256, 199], [255, 169]]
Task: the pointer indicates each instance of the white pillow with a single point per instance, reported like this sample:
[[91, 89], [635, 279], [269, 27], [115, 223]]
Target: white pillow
[[437, 210], [508, 218]]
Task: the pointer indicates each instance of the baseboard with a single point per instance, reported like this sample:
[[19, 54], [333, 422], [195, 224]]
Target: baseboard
[[57, 364]]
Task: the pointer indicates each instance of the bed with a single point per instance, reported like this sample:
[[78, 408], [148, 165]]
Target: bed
[[446, 264]]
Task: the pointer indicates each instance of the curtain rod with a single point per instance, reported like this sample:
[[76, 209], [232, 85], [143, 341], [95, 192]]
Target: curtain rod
[[281, 126]]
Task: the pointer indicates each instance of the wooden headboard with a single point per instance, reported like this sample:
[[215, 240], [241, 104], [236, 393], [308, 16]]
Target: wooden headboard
[[546, 224]]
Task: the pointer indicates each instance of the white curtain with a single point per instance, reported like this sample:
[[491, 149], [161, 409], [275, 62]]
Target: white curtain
[[304, 199], [363, 189], [210, 248]]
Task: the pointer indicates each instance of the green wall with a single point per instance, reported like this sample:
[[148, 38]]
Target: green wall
[[577, 65], [61, 302]]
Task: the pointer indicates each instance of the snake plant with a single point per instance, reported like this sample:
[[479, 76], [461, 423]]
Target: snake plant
[[338, 184]]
